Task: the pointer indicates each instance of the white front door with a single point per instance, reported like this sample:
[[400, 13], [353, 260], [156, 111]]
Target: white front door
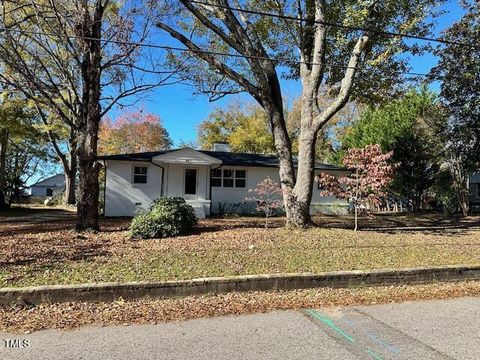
[[190, 183]]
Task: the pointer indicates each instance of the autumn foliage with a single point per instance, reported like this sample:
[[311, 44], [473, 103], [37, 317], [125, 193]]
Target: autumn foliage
[[267, 196], [132, 132], [367, 184]]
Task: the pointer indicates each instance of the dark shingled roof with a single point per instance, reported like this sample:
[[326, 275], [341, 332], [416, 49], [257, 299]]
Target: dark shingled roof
[[227, 158]]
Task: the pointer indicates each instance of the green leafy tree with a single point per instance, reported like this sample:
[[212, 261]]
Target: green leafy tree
[[23, 147], [458, 71], [245, 128], [404, 126]]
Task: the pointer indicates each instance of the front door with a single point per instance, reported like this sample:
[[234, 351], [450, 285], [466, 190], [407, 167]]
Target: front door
[[190, 186]]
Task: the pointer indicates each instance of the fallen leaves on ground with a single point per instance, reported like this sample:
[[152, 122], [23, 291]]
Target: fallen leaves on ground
[[20, 319], [49, 252]]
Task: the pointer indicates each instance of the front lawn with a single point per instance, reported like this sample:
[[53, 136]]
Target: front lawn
[[49, 252]]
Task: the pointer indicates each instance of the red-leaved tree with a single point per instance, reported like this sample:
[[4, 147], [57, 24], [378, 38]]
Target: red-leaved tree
[[268, 197], [371, 174], [132, 132]]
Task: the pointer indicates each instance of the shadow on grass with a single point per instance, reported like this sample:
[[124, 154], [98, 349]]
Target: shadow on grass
[[426, 223], [22, 214], [54, 256]]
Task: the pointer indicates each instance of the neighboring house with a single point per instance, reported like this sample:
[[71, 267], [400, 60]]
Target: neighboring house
[[49, 187], [475, 192], [211, 181]]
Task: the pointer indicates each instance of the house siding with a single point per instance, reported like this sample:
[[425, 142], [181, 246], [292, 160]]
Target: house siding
[[230, 199], [122, 196], [56, 183]]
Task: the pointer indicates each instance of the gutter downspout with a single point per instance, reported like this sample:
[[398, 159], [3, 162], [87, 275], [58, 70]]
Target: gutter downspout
[[163, 172], [210, 183]]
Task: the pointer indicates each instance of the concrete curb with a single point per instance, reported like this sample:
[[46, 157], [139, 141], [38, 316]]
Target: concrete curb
[[217, 285]]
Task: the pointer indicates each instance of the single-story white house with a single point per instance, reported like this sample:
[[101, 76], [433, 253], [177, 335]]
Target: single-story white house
[[210, 181], [49, 186]]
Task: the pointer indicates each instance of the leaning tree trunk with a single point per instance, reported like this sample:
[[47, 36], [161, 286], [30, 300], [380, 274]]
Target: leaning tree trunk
[[3, 159], [90, 30]]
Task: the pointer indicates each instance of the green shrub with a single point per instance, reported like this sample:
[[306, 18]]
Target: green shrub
[[166, 217]]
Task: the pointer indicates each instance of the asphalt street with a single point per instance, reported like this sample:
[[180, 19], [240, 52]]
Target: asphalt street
[[438, 329]]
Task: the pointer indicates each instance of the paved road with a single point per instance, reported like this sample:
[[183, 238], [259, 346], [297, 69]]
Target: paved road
[[440, 329]]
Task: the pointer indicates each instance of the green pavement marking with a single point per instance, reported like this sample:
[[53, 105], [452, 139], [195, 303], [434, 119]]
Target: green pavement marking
[[375, 355], [330, 323]]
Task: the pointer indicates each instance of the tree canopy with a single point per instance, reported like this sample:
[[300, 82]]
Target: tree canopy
[[23, 147], [245, 128], [405, 127], [132, 132]]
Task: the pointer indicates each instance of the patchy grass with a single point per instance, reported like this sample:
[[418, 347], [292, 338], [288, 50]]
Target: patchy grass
[[20, 319], [39, 250]]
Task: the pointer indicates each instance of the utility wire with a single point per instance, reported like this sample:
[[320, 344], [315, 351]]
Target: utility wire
[[209, 52], [331, 24]]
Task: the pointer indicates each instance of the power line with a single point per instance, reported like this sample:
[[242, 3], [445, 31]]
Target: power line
[[331, 24], [208, 52]]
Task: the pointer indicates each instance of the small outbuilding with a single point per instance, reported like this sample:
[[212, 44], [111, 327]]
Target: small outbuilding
[[49, 186]]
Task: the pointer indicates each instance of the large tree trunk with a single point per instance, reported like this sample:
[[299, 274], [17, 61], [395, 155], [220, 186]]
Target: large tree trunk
[[3, 159], [305, 175], [88, 191], [69, 196], [296, 203], [70, 170]]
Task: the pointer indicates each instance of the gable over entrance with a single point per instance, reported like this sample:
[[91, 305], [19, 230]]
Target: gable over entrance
[[186, 156]]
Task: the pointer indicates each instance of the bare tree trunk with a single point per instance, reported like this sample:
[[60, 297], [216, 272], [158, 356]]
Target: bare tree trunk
[[356, 218], [71, 173], [69, 196], [88, 187], [463, 201], [296, 203], [305, 175], [460, 183], [89, 29], [3, 158], [356, 201]]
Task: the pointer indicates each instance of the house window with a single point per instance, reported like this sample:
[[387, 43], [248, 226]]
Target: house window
[[240, 176], [140, 174], [228, 178], [216, 178], [49, 192]]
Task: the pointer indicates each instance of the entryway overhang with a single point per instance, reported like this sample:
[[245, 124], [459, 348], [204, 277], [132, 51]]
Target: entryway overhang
[[186, 156]]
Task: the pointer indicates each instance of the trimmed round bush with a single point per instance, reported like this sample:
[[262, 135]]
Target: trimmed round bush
[[166, 217]]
